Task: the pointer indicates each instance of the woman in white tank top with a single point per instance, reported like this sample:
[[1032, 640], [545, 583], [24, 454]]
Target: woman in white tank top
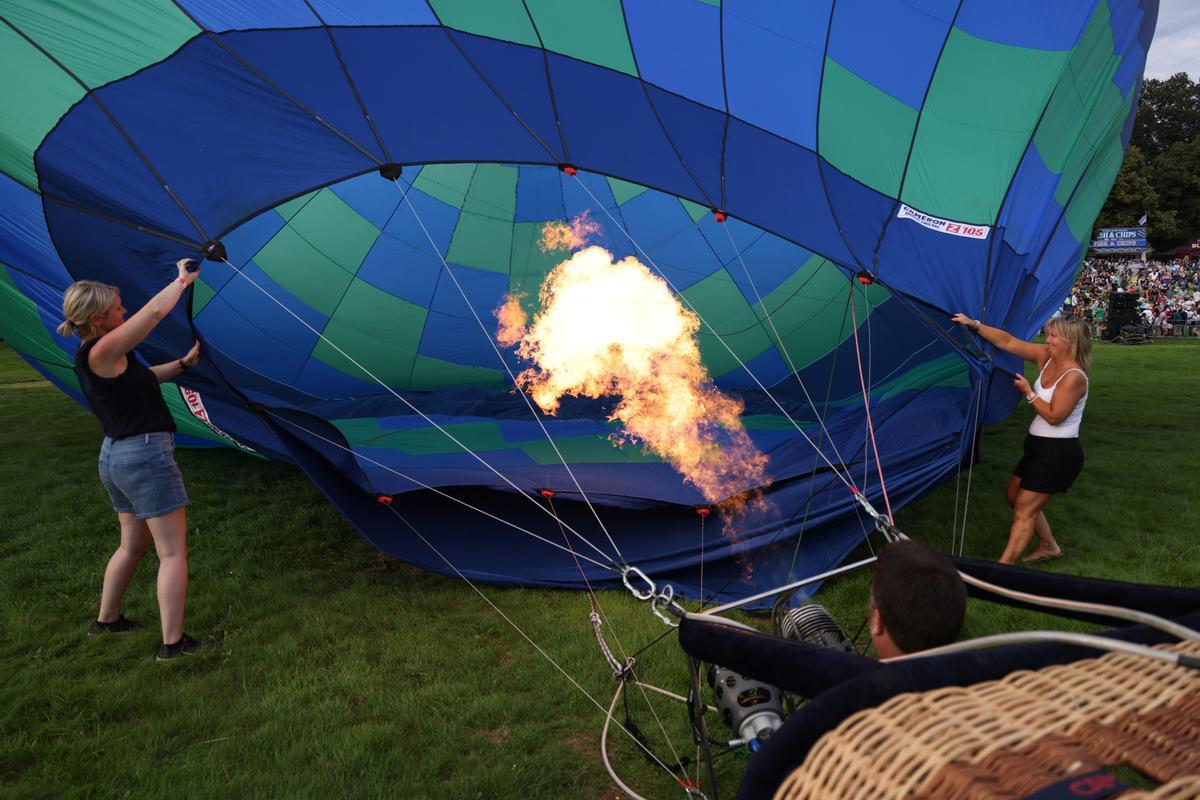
[[1053, 456]]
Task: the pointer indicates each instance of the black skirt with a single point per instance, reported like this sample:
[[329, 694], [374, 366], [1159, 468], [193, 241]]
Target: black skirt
[[1049, 465]]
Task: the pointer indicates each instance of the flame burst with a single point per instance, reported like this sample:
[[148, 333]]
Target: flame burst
[[615, 329], [512, 320], [563, 236]]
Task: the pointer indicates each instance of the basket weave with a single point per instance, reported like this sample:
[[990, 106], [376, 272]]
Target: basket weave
[[1005, 739]]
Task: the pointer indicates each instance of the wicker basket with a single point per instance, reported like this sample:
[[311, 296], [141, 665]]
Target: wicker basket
[[1005, 739]]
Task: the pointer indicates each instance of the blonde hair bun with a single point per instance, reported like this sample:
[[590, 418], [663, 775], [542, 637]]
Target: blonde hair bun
[[81, 301]]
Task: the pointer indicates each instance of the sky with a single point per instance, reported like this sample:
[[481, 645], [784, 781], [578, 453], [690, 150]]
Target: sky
[[1176, 45]]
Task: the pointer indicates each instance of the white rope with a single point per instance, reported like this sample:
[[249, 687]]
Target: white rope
[[962, 541], [866, 388], [780, 590], [1040, 637], [954, 523], [782, 346], [538, 419], [612, 773], [438, 491], [414, 409], [911, 356], [566, 549], [792, 366], [1100, 609], [595, 600], [526, 637], [491, 341], [867, 401]]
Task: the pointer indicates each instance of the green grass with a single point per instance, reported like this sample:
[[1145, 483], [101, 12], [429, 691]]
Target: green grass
[[335, 671]]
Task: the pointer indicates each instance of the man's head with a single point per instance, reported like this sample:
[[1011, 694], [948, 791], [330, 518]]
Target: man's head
[[917, 600]]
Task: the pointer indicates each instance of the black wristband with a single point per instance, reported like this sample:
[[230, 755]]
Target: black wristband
[[183, 365]]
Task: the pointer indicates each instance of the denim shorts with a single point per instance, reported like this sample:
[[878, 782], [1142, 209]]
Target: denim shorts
[[141, 476]]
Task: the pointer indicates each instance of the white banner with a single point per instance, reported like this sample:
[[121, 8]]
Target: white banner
[[944, 225], [196, 405]]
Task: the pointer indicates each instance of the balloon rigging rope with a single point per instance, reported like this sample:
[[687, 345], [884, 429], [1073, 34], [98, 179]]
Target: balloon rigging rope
[[900, 366], [532, 643], [414, 409], [866, 390], [867, 385], [612, 773], [782, 346], [594, 601], [812, 484], [609, 566], [957, 544], [577, 556], [962, 541], [792, 367], [867, 406], [716, 335], [562, 459], [954, 524], [490, 339]]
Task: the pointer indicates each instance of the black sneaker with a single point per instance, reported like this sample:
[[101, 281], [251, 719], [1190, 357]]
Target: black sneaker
[[118, 625], [186, 646]]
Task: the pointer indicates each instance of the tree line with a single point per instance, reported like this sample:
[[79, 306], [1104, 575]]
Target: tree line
[[1160, 176]]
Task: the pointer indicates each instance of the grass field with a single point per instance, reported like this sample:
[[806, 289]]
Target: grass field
[[334, 671]]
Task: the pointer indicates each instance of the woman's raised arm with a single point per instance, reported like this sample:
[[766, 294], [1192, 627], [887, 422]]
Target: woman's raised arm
[[116, 344], [1029, 351]]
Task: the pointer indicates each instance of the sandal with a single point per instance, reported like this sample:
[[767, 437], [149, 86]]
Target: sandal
[[1041, 558]]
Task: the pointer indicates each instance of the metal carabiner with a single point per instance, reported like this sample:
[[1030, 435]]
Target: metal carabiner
[[662, 601], [889, 531], [643, 595], [659, 600]]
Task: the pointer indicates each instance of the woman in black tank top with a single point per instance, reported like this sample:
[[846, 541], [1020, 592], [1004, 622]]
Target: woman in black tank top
[[137, 464], [1053, 455]]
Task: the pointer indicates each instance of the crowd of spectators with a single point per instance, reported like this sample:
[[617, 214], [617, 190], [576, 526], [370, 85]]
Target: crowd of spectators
[[1168, 291]]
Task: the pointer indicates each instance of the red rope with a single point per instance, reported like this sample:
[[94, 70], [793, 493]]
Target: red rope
[[867, 405]]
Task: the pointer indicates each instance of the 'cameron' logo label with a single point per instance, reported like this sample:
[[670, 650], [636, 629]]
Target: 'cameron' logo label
[[943, 225]]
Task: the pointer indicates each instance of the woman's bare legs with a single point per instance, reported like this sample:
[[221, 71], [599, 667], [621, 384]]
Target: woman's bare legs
[[135, 538], [1047, 546], [170, 541], [1027, 506]]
